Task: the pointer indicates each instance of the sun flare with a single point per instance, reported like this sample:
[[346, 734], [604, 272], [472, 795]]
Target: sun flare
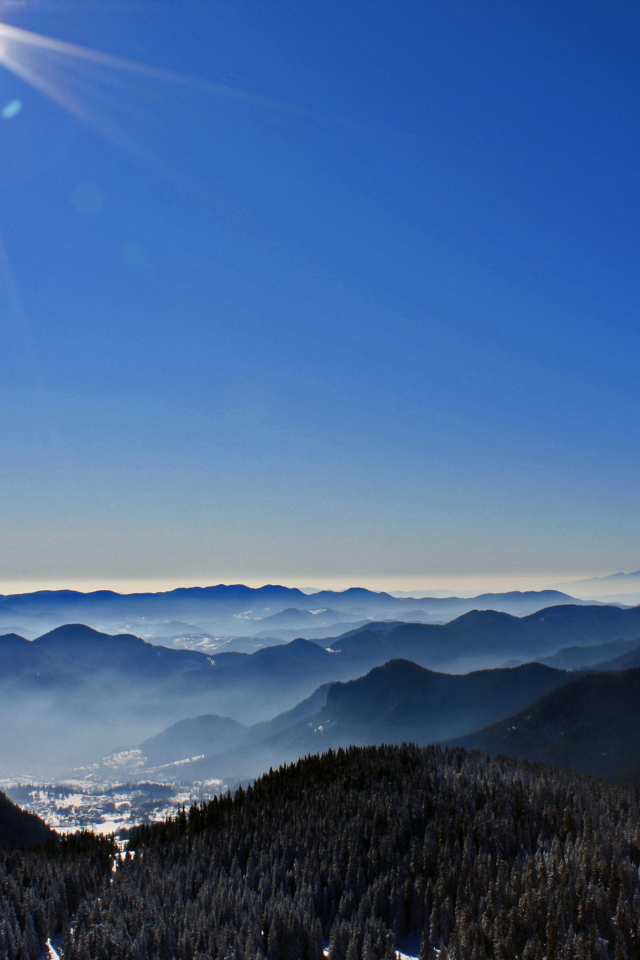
[[60, 70]]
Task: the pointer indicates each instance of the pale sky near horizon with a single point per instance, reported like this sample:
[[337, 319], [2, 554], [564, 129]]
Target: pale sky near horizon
[[334, 293]]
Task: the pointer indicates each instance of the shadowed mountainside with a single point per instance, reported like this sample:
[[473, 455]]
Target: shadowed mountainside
[[591, 724], [398, 702], [623, 662], [575, 658], [19, 828]]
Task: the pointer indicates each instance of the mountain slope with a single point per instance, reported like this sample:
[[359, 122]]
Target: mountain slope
[[401, 701], [623, 662], [475, 638], [397, 702], [529, 862], [192, 737], [573, 658], [18, 828], [85, 649], [486, 637], [573, 624], [217, 735], [591, 724]]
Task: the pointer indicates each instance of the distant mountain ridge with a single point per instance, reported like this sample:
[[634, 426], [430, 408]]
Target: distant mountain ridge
[[491, 635], [237, 610], [623, 587], [624, 661], [578, 657]]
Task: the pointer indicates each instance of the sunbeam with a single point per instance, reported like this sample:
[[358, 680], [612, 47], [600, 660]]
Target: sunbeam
[[14, 39], [60, 94]]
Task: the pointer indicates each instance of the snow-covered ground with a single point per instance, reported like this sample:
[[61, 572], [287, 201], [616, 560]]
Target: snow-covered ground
[[107, 808], [409, 948], [50, 951]]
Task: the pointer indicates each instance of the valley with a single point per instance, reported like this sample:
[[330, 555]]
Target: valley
[[117, 751], [116, 730], [107, 808], [319, 480]]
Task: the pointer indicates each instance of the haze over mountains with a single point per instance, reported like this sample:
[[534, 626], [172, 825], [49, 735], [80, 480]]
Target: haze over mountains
[[74, 695], [596, 655], [394, 703], [238, 611], [589, 722], [616, 587], [196, 706]]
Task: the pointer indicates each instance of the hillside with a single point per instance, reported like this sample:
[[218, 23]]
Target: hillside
[[482, 638], [574, 658], [18, 828], [192, 737], [403, 702], [398, 702], [575, 625], [625, 661], [591, 724], [361, 847]]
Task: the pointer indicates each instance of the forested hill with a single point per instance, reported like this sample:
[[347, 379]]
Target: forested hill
[[41, 890], [19, 828], [489, 859]]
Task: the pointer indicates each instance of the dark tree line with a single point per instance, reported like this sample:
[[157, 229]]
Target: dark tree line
[[490, 859], [41, 889], [483, 858]]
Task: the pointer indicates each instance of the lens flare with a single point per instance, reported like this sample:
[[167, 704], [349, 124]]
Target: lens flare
[[18, 45], [11, 109]]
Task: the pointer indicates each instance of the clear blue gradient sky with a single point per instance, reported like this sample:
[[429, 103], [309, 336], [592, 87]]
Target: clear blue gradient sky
[[361, 307]]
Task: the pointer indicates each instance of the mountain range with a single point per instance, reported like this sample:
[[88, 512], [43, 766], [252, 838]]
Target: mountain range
[[240, 611], [621, 587], [590, 722], [397, 702], [75, 695], [578, 657], [486, 638]]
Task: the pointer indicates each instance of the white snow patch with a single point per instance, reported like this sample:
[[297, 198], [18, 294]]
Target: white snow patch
[[49, 952], [124, 758], [179, 763]]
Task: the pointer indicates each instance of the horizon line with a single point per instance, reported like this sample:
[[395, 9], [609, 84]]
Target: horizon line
[[411, 586]]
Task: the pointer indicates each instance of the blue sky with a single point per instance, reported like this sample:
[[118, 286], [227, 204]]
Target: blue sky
[[358, 305]]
